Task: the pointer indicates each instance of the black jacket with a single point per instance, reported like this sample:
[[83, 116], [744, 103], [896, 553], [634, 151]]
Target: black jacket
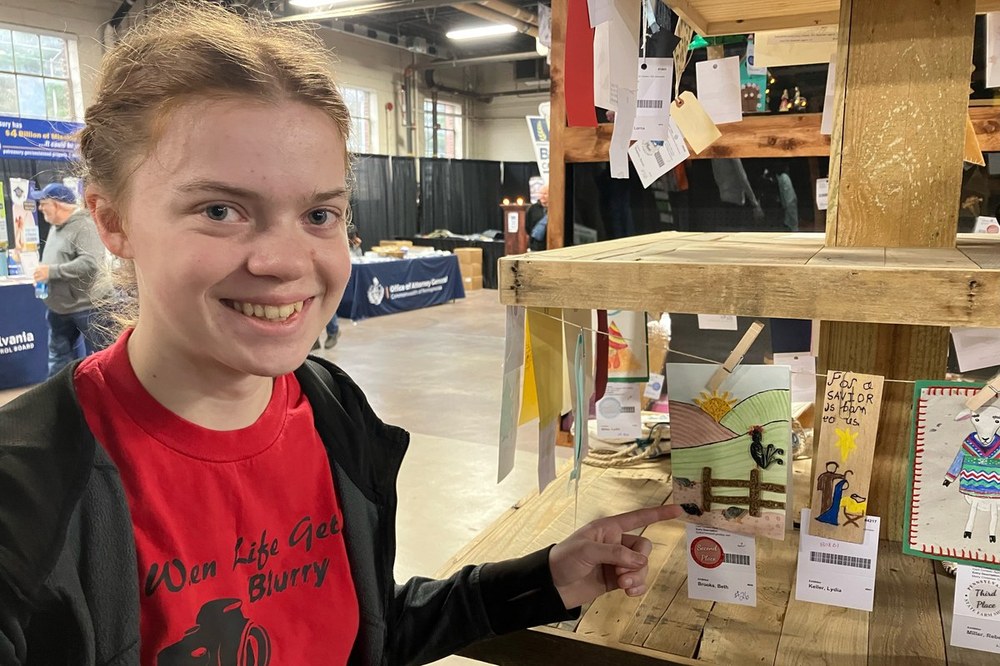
[[69, 589]]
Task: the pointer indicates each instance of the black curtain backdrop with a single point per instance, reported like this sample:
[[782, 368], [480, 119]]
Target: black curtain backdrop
[[403, 200], [462, 196], [515, 180], [42, 172], [370, 200]]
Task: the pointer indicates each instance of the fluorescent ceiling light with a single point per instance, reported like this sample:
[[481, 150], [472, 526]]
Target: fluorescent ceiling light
[[482, 31], [312, 4]]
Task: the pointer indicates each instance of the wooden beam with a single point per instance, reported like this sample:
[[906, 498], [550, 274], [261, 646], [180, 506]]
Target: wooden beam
[[771, 135], [555, 233]]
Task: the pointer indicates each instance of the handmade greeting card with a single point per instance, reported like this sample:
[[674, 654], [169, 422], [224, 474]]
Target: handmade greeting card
[[627, 346], [953, 498], [851, 406], [731, 448]]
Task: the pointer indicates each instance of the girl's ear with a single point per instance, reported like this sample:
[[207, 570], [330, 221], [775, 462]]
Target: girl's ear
[[109, 222]]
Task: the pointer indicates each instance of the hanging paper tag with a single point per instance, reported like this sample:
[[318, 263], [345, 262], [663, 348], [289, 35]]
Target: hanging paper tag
[[973, 153], [600, 11], [844, 457], [976, 620], [652, 161], [656, 76], [976, 348], [510, 399], [993, 50], [654, 387], [619, 412], [719, 89], [752, 68], [693, 122], [624, 120], [822, 193], [829, 99], [803, 368], [602, 66], [722, 566], [837, 573]]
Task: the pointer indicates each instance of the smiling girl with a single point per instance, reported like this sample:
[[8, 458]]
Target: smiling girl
[[201, 492]]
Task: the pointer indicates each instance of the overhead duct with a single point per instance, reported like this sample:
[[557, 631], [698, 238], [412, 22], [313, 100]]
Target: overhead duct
[[497, 17], [357, 9], [417, 45], [510, 10], [481, 60]]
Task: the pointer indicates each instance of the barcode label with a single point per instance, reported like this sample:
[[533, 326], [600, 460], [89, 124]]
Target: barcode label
[[659, 159], [840, 560], [649, 104], [627, 410], [742, 560]]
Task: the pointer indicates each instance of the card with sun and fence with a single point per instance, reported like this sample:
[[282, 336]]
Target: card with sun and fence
[[731, 448]]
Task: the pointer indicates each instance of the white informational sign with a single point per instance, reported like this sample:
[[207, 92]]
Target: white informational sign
[[838, 573], [24, 218], [722, 566], [987, 225], [719, 89], [539, 128], [822, 193], [976, 348], [619, 412], [795, 46], [513, 221], [717, 322], [976, 618]]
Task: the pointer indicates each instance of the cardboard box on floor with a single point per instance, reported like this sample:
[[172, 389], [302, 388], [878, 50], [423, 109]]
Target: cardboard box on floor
[[472, 283], [469, 255], [396, 243]]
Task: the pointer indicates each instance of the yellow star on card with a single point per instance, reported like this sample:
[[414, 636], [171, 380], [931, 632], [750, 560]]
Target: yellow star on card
[[846, 442]]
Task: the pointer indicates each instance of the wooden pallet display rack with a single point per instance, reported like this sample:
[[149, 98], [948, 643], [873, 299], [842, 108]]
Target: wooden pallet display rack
[[887, 279]]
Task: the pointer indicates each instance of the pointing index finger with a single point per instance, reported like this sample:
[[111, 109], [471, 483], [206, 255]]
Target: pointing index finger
[[633, 520]]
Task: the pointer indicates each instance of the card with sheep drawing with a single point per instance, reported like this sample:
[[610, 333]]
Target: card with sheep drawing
[[731, 448], [851, 406], [953, 493]]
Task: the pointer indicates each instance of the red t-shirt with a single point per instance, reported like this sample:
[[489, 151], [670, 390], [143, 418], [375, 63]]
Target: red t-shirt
[[238, 533]]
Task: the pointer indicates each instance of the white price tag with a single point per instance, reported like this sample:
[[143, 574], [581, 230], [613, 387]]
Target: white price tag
[[656, 78], [718, 322], [722, 566], [838, 573], [652, 161], [654, 387]]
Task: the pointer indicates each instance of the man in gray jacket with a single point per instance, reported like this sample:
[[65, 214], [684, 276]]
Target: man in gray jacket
[[70, 262]]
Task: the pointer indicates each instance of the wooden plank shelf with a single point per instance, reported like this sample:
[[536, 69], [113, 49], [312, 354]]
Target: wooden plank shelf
[[910, 623], [790, 275], [733, 17]]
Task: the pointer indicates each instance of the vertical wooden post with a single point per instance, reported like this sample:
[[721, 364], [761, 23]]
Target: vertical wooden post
[[557, 126], [895, 180]]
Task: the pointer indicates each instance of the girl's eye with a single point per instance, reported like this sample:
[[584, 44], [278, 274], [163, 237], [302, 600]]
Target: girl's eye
[[217, 212], [320, 216]]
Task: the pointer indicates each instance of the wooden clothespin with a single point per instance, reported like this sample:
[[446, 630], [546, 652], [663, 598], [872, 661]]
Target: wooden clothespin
[[736, 357], [984, 395]]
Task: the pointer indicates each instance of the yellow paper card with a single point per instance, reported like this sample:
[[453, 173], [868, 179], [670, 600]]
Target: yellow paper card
[[693, 122], [529, 398], [545, 332], [973, 153]]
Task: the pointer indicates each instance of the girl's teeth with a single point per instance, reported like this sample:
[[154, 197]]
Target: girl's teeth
[[248, 309], [258, 311], [297, 306], [270, 312], [285, 310]]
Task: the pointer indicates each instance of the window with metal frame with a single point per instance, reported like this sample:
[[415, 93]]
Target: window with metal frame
[[363, 105], [448, 130], [39, 75]]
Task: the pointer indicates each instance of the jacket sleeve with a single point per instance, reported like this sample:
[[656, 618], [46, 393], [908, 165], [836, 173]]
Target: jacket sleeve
[[89, 251], [432, 619], [13, 644]]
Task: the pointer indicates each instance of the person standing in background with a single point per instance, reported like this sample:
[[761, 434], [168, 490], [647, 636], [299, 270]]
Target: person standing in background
[[537, 221], [70, 263]]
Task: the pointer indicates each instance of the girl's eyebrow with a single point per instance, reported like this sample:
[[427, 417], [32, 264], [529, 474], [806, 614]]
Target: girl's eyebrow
[[214, 186]]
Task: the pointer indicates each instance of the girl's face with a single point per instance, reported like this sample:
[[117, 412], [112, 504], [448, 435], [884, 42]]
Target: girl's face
[[236, 223]]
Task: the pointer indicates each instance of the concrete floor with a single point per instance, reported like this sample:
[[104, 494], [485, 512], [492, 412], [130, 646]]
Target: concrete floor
[[437, 373]]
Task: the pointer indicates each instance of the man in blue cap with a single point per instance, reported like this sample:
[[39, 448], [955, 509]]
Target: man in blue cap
[[70, 263]]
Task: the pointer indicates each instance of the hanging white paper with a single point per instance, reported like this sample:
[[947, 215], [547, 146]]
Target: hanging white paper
[[602, 65], [822, 193], [510, 401], [722, 566], [623, 46], [624, 119], [976, 348], [651, 161], [829, 100], [717, 322], [655, 83], [976, 617], [600, 11], [577, 321], [993, 50], [719, 89], [544, 25], [803, 366], [838, 573]]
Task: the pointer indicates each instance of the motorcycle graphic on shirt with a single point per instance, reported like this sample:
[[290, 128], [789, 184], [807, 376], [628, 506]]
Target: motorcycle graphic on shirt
[[222, 636]]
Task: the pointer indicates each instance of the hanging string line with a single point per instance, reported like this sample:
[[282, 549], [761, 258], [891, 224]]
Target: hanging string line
[[671, 350]]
